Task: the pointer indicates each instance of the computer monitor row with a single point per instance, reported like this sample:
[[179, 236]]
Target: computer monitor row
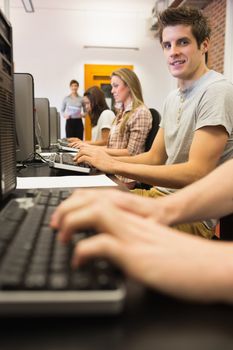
[[7, 120], [36, 122], [25, 121]]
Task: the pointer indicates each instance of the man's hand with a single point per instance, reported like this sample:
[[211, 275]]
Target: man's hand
[[95, 156], [151, 253]]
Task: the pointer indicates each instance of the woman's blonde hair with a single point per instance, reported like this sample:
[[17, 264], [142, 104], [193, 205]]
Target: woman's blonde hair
[[131, 80]]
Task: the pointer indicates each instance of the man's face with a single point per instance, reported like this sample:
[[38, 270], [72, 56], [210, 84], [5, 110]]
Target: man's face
[[185, 60]]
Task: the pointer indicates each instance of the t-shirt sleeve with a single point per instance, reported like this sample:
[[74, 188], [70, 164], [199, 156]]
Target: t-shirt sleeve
[[106, 119], [216, 107]]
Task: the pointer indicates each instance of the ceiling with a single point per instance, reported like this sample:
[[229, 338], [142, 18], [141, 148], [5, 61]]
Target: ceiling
[[195, 3], [94, 5]]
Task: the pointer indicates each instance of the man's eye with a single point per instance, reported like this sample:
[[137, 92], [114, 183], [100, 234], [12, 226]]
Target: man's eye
[[166, 45], [183, 42]]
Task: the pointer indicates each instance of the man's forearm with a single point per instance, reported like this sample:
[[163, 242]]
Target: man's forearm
[[142, 158], [171, 176], [210, 197]]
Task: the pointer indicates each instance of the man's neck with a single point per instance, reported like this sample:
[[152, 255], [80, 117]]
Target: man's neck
[[184, 84]]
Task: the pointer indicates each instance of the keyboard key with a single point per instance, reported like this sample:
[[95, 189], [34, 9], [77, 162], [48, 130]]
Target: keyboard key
[[7, 230], [58, 280], [81, 280], [35, 281], [13, 212], [10, 281]]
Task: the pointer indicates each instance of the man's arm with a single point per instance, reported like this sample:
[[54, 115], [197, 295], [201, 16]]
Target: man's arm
[[210, 197], [207, 146], [101, 160], [153, 254], [155, 156]]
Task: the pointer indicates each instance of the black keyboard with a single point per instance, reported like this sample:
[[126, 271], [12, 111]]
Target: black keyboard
[[32, 259], [63, 142], [66, 158]]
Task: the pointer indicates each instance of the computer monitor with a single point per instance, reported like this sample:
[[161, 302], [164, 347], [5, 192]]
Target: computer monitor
[[59, 125], [43, 114], [25, 116], [7, 116], [54, 127]]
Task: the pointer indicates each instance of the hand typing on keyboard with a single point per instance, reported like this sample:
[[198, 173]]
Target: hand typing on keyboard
[[124, 237], [129, 233], [96, 157]]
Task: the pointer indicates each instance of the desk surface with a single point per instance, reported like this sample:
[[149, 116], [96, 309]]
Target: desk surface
[[149, 321]]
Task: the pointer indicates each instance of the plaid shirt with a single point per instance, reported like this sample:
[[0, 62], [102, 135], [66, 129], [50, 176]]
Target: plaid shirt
[[135, 132]]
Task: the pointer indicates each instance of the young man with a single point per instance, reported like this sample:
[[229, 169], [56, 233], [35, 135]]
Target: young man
[[196, 131], [133, 233]]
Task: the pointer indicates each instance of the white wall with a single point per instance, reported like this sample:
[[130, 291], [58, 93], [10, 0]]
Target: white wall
[[49, 45]]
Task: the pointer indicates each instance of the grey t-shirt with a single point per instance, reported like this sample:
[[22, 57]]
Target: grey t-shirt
[[208, 102]]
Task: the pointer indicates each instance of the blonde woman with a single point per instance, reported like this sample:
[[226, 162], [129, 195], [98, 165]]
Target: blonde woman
[[131, 126], [133, 121]]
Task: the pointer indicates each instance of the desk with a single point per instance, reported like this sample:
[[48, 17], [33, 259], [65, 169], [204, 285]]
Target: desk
[[150, 321], [42, 169]]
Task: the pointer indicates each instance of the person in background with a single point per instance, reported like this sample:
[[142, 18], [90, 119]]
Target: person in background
[[102, 117], [71, 110], [196, 129], [133, 232], [133, 121]]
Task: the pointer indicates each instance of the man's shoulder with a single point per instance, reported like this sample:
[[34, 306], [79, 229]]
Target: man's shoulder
[[220, 85], [213, 78]]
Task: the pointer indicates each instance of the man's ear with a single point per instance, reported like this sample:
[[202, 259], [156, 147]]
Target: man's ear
[[205, 45]]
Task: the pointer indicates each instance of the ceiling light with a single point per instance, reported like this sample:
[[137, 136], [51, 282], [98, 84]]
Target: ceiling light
[[111, 47], [28, 5]]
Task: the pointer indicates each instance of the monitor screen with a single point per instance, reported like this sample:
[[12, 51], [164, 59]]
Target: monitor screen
[[24, 114], [43, 114], [53, 125]]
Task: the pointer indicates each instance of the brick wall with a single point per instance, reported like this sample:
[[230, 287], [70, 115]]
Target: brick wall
[[216, 11]]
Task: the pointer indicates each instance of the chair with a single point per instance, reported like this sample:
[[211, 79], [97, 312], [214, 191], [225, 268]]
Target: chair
[[226, 228], [150, 138], [154, 129]]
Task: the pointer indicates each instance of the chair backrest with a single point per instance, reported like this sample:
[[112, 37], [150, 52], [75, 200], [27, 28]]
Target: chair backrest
[[154, 129], [226, 228]]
